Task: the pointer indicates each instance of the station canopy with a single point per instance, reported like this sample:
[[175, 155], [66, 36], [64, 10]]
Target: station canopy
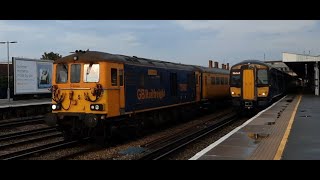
[[299, 62]]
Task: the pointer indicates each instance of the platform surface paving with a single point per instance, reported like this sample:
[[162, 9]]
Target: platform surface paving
[[304, 139], [257, 139]]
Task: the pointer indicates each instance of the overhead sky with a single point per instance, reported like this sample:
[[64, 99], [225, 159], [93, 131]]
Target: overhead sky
[[181, 41]]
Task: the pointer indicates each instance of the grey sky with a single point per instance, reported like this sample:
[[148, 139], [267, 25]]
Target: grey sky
[[189, 42]]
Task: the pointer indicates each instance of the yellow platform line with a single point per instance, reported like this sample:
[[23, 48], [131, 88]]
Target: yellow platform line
[[286, 134]]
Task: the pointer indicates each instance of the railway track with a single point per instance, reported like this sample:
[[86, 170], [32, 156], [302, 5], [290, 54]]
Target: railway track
[[30, 143], [32, 140], [21, 122], [41, 149], [23, 134], [165, 146]]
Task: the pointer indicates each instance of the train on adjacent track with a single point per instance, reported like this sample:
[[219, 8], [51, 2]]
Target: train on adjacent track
[[93, 92], [255, 84]]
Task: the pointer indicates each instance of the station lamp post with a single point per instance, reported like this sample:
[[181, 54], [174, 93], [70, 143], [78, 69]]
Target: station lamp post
[[8, 42]]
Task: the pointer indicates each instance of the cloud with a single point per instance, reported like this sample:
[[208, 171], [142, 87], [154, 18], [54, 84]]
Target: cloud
[[63, 22], [189, 42], [237, 40], [36, 37], [8, 27], [120, 41], [247, 26]]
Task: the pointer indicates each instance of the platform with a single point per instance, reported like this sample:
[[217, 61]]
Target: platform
[[4, 103], [304, 138], [288, 129]]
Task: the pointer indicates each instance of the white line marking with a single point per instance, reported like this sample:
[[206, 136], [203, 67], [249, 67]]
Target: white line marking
[[201, 153]]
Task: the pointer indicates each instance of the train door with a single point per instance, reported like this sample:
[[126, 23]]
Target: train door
[[198, 86], [204, 86], [115, 91], [248, 84], [122, 92], [174, 84]]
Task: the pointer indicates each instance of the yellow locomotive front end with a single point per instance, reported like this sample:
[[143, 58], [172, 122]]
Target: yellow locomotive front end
[[85, 91]]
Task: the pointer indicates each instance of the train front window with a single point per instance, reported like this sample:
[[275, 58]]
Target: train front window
[[75, 73], [91, 72], [235, 79], [262, 76], [62, 73]]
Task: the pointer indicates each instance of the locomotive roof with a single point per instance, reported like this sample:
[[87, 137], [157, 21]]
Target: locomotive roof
[[261, 63], [95, 56], [253, 62], [212, 70]]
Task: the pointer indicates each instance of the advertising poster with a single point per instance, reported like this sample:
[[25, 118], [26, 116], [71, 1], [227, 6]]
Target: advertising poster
[[44, 75], [32, 76]]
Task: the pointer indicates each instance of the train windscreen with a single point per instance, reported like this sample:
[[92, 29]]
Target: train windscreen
[[91, 73], [235, 78], [75, 73], [62, 73], [262, 76]]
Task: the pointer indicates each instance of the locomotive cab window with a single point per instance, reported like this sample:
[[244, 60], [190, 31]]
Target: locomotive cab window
[[262, 76], [62, 73], [91, 73], [75, 73]]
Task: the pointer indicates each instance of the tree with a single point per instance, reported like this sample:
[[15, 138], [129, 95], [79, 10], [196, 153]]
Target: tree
[[51, 56]]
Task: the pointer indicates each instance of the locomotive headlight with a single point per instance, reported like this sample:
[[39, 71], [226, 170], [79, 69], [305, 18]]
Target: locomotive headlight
[[232, 93], [56, 107], [96, 107], [263, 94]]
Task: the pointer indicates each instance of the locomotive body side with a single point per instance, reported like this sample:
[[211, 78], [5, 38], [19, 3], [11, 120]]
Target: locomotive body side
[[93, 92], [149, 88]]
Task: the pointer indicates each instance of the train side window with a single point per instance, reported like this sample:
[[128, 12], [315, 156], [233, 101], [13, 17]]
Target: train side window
[[226, 81], [121, 77], [114, 80], [221, 80], [213, 80], [217, 80], [75, 73]]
